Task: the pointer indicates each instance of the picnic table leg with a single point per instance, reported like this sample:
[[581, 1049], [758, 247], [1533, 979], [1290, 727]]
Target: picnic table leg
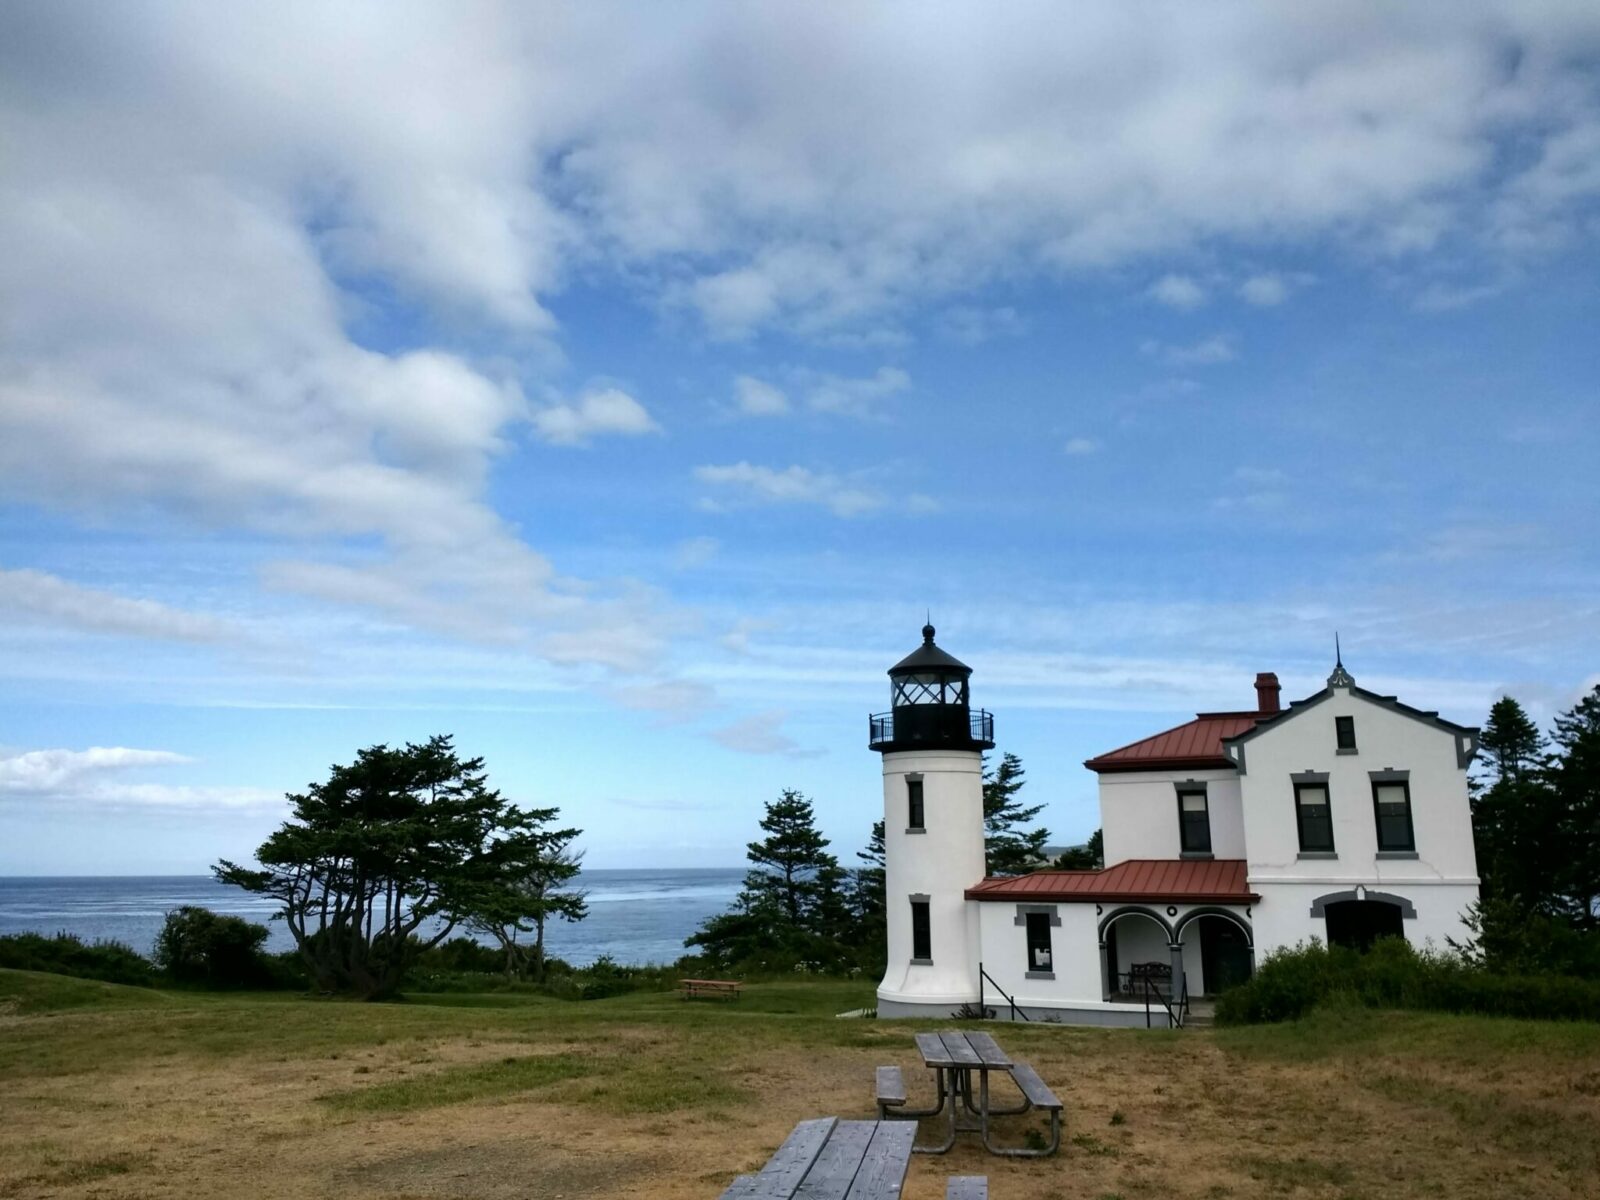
[[913, 1114], [949, 1141], [1025, 1106]]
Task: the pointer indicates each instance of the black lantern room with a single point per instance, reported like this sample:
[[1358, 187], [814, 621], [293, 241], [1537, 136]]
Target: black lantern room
[[929, 691]]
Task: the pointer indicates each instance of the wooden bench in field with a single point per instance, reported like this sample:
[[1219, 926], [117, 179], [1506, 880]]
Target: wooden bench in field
[[829, 1159], [715, 989]]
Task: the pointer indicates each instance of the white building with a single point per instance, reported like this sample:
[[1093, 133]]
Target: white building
[[1343, 817]]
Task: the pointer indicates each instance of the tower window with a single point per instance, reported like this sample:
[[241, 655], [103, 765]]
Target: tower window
[[1314, 817], [1039, 942], [921, 933], [1392, 805], [1344, 731], [914, 814], [1194, 820]]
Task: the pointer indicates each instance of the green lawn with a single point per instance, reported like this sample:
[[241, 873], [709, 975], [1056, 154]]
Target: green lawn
[[108, 1091]]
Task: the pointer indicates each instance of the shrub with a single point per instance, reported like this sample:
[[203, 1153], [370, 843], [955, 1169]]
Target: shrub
[[198, 946], [67, 954], [1291, 982]]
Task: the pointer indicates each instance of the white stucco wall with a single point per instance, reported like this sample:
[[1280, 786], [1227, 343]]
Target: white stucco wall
[[941, 863], [1440, 881], [1139, 813], [1074, 947]]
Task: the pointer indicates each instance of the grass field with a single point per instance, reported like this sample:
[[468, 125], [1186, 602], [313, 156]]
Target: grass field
[[122, 1092]]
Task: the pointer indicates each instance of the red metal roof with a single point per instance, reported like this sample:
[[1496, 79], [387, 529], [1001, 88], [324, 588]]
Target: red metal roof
[[1167, 880], [1196, 743]]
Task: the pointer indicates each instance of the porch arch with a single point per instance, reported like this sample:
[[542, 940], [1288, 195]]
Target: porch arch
[[1107, 975], [1319, 906], [1189, 918]]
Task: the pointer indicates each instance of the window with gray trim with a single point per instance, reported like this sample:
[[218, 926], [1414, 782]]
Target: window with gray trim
[[1344, 732], [914, 813], [1391, 806], [1038, 941], [1313, 817], [1194, 819], [921, 932]]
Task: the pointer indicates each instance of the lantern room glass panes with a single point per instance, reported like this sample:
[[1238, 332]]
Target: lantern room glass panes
[[928, 688]]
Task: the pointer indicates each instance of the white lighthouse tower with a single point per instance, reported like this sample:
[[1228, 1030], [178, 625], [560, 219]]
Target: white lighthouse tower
[[932, 744]]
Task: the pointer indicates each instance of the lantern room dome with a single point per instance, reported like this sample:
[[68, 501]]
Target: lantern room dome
[[928, 692]]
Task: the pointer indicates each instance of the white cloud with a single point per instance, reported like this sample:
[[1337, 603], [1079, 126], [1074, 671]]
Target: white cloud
[[973, 326], [791, 485], [1178, 291], [30, 594], [605, 413], [1208, 352], [1264, 291], [695, 552], [1446, 297], [856, 397], [91, 778], [757, 398], [758, 734], [672, 700], [1081, 445]]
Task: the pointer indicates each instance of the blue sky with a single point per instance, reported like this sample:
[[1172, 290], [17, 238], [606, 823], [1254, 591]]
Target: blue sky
[[616, 387]]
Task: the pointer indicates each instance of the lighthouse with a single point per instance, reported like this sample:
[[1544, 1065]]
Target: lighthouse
[[932, 742]]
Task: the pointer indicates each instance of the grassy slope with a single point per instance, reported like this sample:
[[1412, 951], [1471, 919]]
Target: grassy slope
[[123, 1091]]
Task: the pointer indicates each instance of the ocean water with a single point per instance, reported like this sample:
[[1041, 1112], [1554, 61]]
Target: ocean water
[[636, 917]]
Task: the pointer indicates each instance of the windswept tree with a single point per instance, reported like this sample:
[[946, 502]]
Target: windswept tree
[[1009, 846], [793, 906], [534, 867], [1575, 780], [1090, 856], [380, 862]]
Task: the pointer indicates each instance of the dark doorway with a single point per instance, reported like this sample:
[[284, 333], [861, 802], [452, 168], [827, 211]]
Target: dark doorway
[[1359, 923], [1224, 954]]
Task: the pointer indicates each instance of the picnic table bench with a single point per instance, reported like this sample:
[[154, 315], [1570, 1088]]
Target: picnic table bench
[[954, 1057], [720, 989]]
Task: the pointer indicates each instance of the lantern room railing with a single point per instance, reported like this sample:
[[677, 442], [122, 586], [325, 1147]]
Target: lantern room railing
[[881, 730]]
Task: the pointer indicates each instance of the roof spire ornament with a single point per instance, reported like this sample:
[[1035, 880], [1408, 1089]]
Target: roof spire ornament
[[1340, 677]]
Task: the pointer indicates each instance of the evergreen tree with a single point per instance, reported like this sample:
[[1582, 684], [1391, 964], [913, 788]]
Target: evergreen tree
[[793, 907], [1575, 782], [536, 865], [1090, 856], [1516, 817], [872, 932], [1009, 847]]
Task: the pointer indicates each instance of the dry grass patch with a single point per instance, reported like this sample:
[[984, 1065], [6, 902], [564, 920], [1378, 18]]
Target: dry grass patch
[[187, 1097]]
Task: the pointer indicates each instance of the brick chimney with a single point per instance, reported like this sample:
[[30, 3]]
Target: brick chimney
[[1267, 692]]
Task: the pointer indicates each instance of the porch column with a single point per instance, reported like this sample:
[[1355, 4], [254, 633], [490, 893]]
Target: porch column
[[1105, 974], [1177, 970]]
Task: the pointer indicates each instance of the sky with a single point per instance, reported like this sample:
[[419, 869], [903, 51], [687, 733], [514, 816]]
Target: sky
[[617, 388]]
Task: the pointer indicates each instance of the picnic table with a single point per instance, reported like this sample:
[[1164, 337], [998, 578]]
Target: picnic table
[[955, 1057], [833, 1160]]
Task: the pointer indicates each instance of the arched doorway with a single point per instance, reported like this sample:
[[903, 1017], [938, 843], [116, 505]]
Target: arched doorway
[[1359, 923], [1135, 945], [1227, 949], [1358, 918]]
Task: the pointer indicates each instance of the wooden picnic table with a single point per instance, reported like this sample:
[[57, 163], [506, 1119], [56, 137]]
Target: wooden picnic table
[[723, 989], [832, 1159], [954, 1057]]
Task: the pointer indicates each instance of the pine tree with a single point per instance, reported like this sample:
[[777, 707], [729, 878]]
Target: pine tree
[[1575, 782], [793, 907], [1511, 745], [1090, 856], [1516, 818], [1009, 847]]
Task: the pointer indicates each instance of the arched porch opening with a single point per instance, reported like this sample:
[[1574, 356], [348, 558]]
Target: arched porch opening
[[1136, 945], [1227, 950]]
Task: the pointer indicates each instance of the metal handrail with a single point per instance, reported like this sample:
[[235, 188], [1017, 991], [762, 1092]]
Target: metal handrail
[[1175, 1017], [880, 727], [1011, 1000]]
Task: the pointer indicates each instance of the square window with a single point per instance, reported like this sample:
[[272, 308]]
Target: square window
[[914, 812], [1313, 816], [1345, 732], [1194, 821], [1391, 803], [921, 931], [1039, 941]]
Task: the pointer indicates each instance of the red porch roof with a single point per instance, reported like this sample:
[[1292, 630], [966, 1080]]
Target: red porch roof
[[1195, 744], [1163, 880]]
